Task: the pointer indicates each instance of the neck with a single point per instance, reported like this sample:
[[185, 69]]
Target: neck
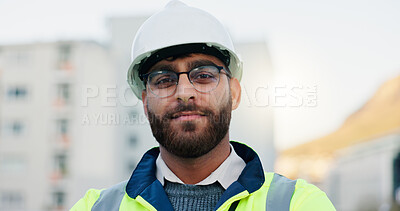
[[194, 170]]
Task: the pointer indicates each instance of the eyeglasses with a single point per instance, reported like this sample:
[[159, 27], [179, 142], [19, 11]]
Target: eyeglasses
[[163, 83]]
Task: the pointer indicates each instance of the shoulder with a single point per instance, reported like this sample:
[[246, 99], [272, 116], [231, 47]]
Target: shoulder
[[96, 197], [310, 197], [302, 195], [87, 202]]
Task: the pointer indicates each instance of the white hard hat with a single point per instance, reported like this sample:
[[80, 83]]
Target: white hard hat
[[179, 27]]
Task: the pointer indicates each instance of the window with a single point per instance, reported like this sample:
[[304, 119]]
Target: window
[[19, 92], [58, 199], [17, 128], [64, 57], [12, 164], [62, 126], [11, 200], [60, 164], [21, 57], [62, 132], [17, 57], [63, 93], [64, 53], [133, 114], [13, 128], [132, 141]]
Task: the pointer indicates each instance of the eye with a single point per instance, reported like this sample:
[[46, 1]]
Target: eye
[[162, 80], [203, 75]]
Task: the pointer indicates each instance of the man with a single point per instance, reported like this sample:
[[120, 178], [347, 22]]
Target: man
[[186, 72]]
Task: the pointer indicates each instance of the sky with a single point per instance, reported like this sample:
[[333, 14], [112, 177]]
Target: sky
[[345, 48]]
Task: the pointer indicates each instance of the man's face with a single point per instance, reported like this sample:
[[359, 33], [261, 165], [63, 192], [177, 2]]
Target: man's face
[[190, 123]]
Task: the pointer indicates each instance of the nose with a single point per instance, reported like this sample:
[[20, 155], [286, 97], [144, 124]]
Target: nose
[[184, 90]]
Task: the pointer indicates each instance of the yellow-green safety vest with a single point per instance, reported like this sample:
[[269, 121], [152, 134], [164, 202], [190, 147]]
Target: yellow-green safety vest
[[254, 190]]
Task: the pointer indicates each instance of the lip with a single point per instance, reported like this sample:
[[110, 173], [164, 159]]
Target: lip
[[188, 115]]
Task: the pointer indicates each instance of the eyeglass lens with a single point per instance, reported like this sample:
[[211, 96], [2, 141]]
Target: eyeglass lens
[[164, 82]]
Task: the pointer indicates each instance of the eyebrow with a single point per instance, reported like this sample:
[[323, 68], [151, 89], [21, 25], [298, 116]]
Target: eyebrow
[[189, 66], [162, 67], [198, 63]]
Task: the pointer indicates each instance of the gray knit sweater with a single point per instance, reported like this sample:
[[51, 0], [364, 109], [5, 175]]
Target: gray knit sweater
[[193, 197]]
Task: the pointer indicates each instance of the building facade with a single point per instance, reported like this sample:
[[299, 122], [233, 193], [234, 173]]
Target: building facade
[[42, 146], [363, 176]]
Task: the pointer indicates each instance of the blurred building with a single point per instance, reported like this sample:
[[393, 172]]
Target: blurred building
[[134, 138], [44, 140], [363, 176], [358, 164], [252, 122]]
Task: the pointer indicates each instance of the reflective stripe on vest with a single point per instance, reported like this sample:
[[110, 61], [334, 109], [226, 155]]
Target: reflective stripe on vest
[[110, 199], [280, 193]]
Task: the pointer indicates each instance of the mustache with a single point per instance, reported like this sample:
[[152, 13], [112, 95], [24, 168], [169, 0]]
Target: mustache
[[190, 107]]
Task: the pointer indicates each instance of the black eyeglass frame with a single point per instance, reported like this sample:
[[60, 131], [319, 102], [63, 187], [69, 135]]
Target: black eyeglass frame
[[144, 77]]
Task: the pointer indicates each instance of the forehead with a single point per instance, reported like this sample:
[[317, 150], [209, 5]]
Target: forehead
[[187, 61]]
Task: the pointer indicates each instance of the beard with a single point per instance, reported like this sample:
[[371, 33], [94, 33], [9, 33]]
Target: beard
[[191, 139]]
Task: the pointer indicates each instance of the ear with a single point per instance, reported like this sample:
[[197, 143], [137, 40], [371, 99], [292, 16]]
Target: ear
[[144, 100], [236, 92]]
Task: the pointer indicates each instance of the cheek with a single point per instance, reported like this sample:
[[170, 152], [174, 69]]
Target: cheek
[[151, 105], [157, 106], [215, 98], [222, 93]]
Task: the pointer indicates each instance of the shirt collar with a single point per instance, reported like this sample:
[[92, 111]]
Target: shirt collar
[[227, 173], [143, 180]]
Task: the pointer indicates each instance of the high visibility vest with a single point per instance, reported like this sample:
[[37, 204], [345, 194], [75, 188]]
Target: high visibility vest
[[254, 190]]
